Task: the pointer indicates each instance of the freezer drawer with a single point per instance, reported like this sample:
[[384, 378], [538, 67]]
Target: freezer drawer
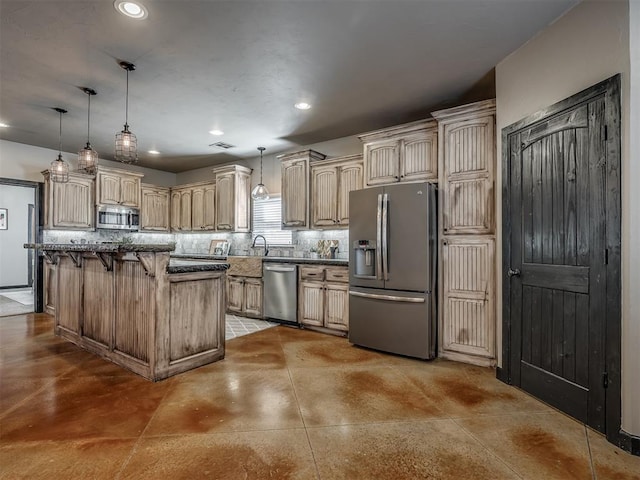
[[393, 321]]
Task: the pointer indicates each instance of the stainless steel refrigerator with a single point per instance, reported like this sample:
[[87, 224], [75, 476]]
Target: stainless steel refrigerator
[[392, 269]]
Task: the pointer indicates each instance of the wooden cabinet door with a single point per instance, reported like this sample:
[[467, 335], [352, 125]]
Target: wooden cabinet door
[[176, 210], [324, 195], [130, 191], [185, 210], [73, 204], [294, 193], [468, 289], [311, 303], [154, 209], [350, 178], [197, 208], [209, 208], [382, 160], [235, 294], [468, 187], [253, 297], [225, 187], [337, 306], [108, 188], [50, 288], [419, 156]]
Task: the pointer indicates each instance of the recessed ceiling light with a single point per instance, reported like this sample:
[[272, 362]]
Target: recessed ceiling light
[[154, 152], [216, 132], [302, 106], [131, 9], [3, 125]]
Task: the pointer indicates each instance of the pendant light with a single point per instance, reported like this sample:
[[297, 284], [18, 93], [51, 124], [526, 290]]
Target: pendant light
[[260, 192], [59, 169], [88, 157], [126, 142]]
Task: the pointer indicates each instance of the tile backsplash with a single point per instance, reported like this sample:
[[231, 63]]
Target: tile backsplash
[[302, 241]]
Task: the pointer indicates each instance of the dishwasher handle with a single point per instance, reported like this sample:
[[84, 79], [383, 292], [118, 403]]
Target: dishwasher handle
[[280, 269]]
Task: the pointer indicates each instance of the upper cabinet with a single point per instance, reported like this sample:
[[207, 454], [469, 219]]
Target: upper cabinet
[[405, 153], [331, 182], [467, 157], [71, 205], [193, 207], [295, 187], [232, 196], [154, 210], [118, 187]]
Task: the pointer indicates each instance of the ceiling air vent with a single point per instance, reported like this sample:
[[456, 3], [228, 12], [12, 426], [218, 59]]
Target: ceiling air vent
[[224, 146]]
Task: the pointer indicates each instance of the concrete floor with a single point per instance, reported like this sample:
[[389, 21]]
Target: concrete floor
[[283, 404]]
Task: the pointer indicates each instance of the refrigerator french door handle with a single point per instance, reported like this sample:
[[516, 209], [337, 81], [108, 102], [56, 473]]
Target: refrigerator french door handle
[[379, 239], [385, 237], [390, 298]]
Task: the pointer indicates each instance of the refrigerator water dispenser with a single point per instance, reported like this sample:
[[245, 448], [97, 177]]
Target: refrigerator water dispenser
[[365, 255]]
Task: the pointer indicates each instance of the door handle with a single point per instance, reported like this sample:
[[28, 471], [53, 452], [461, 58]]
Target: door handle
[[385, 237], [379, 239], [513, 273]]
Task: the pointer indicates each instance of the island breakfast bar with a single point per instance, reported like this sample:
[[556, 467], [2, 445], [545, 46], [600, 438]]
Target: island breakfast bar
[[128, 304]]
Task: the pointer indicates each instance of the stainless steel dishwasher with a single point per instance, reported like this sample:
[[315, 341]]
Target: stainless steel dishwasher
[[280, 291]]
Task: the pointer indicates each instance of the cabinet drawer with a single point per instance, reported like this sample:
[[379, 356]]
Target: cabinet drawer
[[338, 274], [312, 273]]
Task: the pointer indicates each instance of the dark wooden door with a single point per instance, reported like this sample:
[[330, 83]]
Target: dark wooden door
[[559, 190]]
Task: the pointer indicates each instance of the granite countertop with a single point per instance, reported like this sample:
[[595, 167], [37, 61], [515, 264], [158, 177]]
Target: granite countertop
[[104, 247], [318, 261], [186, 266]]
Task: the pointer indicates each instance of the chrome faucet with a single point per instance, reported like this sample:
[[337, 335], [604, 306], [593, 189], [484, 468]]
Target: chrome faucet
[[266, 249]]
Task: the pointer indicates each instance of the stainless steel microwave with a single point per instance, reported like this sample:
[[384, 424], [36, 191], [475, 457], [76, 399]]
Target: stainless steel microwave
[[117, 218]]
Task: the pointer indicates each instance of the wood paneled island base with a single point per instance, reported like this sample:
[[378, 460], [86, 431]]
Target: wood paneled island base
[[126, 304]]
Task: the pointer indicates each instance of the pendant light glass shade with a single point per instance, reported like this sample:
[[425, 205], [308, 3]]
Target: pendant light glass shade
[[59, 169], [88, 157], [260, 192], [126, 142]]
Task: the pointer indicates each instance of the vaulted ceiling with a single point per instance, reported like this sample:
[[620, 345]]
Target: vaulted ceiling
[[240, 66]]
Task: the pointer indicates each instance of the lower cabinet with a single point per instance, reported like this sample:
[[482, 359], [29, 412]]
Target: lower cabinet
[[244, 296], [467, 306], [323, 297]]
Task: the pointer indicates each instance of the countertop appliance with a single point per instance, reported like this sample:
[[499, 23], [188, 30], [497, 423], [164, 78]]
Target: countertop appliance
[[280, 291], [392, 269], [117, 218]]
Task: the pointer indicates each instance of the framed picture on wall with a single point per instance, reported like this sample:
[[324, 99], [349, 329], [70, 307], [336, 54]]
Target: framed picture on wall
[[3, 219]]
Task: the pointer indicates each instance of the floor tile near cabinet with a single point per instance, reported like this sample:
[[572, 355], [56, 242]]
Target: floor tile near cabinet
[[283, 404]]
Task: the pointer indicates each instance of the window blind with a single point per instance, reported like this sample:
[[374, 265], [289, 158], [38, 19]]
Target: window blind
[[267, 221]]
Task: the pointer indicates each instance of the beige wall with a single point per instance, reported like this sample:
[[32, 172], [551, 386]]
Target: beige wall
[[271, 165], [631, 240], [587, 45], [25, 162]]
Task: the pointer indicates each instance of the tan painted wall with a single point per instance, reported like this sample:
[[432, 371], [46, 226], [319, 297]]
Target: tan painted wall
[[271, 165], [587, 45], [25, 162]]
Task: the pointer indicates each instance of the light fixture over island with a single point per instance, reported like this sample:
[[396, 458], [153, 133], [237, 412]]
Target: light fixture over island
[[128, 304]]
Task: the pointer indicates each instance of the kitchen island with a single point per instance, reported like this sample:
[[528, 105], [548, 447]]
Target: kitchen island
[[129, 304]]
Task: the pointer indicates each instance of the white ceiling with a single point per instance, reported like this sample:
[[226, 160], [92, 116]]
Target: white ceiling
[[241, 65]]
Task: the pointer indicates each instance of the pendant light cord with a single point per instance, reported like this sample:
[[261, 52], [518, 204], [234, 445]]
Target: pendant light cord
[[60, 137], [261, 166], [88, 117], [126, 104]]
